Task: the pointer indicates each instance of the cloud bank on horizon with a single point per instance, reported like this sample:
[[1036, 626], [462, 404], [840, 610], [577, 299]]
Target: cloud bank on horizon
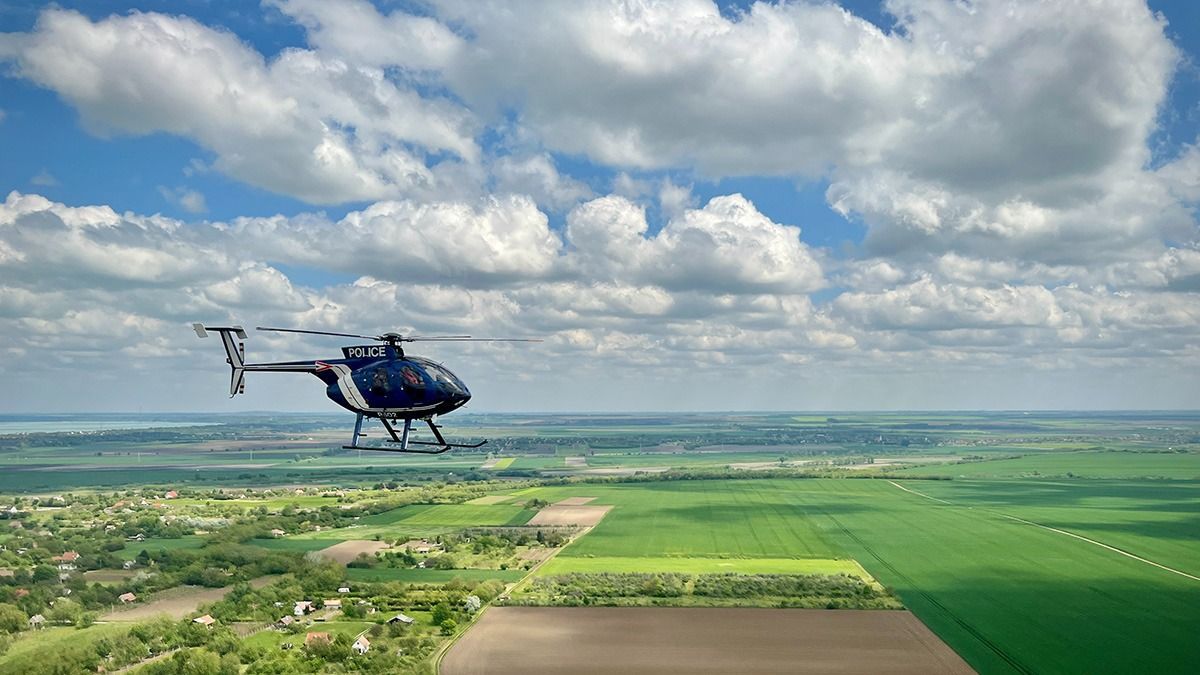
[[1012, 225]]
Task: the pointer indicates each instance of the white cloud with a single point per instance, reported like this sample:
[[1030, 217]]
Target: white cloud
[[727, 246], [43, 178], [358, 33], [189, 200], [536, 176], [996, 153], [303, 124]]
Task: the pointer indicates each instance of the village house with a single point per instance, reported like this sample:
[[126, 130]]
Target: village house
[[127, 598], [137, 537], [421, 546], [129, 564], [344, 589], [303, 607], [401, 618], [206, 621], [361, 645], [277, 533], [316, 637], [284, 622], [171, 494], [37, 621], [334, 603], [69, 556]]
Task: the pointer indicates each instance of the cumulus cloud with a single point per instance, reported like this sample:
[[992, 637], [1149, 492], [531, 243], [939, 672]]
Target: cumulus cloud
[[304, 124], [536, 176], [726, 246], [996, 153]]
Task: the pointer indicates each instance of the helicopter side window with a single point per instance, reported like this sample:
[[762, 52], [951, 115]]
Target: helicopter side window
[[442, 376], [379, 382], [412, 379]]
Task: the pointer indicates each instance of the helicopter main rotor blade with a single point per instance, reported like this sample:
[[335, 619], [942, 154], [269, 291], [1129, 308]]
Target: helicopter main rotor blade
[[469, 339], [317, 332]]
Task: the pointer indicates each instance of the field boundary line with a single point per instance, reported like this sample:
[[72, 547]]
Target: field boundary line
[[1056, 530], [1103, 545], [921, 494]]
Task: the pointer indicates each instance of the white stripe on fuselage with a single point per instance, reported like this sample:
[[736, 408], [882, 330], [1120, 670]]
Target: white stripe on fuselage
[[354, 397]]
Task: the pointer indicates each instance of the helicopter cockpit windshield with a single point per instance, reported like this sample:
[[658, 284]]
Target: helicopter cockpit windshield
[[441, 376]]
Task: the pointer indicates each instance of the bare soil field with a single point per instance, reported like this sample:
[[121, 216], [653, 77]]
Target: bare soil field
[[536, 555], [574, 501], [602, 640], [488, 500], [559, 514], [575, 462], [108, 576], [347, 551], [177, 602]]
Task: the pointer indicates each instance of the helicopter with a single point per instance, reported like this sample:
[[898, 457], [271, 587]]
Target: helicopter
[[375, 381]]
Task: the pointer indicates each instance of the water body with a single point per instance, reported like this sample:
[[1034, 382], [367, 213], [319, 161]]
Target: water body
[[39, 424]]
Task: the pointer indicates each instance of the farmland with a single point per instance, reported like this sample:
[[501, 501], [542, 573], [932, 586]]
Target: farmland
[[680, 640], [1046, 542]]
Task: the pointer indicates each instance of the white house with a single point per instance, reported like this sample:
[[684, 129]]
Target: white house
[[361, 645]]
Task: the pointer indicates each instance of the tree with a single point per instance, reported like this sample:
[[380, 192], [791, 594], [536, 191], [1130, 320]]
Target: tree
[[448, 626], [12, 619], [441, 612], [65, 611]]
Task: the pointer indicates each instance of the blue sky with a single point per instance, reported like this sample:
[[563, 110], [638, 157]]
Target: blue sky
[[1077, 261]]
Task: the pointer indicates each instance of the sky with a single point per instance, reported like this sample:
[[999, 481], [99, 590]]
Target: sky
[[909, 204]]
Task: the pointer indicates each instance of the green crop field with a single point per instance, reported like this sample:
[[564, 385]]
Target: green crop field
[[299, 543], [1008, 596], [452, 515], [1181, 466], [571, 564], [421, 576], [716, 519]]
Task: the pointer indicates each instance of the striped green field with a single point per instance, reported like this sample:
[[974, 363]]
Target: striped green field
[[570, 565], [453, 515]]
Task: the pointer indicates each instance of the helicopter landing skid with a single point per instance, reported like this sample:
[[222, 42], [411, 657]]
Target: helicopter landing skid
[[403, 440]]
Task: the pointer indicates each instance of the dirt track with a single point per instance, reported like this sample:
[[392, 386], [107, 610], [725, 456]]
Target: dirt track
[[603, 640]]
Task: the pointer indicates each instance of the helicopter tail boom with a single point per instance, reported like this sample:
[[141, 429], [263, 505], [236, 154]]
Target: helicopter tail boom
[[236, 357]]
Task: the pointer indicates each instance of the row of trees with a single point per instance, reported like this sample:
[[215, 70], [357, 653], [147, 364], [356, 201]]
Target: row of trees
[[786, 590]]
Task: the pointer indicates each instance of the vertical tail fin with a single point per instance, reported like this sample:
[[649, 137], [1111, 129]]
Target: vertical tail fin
[[233, 351]]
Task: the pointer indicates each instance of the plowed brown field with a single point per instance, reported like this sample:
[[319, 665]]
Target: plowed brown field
[[602, 640]]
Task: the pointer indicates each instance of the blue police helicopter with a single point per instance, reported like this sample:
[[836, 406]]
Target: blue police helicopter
[[373, 381]]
